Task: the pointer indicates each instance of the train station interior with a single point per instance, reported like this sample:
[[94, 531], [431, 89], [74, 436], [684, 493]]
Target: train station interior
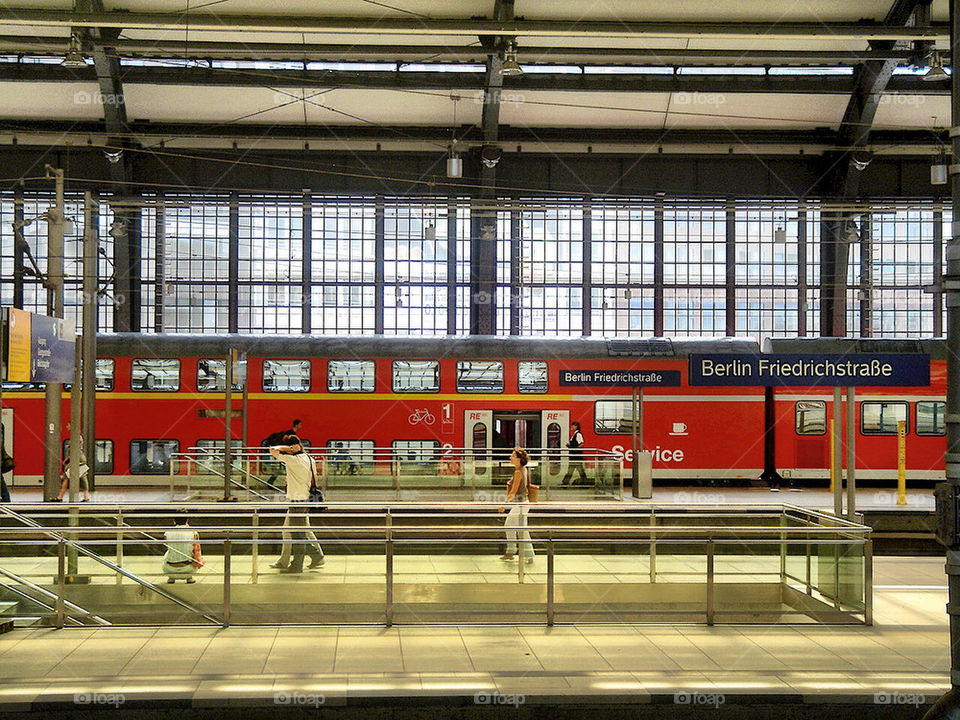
[[498, 358]]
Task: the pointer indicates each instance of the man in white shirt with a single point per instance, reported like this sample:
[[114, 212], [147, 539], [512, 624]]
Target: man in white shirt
[[300, 476]]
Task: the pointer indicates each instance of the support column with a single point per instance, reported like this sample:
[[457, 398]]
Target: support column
[[833, 275], [52, 391], [866, 277], [948, 493], [731, 268], [233, 265], [18, 243], [91, 311], [516, 271], [586, 303], [658, 266], [160, 263], [306, 269], [938, 273], [451, 269], [803, 300], [378, 256]]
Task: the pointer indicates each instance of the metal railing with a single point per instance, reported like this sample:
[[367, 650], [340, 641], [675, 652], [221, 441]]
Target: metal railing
[[395, 472], [603, 562]]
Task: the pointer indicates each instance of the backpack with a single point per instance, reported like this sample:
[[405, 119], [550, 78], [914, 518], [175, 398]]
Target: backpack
[[274, 439]]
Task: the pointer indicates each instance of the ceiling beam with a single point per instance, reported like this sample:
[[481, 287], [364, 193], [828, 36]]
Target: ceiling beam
[[483, 242], [871, 80], [404, 25], [443, 81], [106, 64], [150, 133], [312, 52]]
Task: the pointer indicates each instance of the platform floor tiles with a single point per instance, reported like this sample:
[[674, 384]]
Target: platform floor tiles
[[904, 655]]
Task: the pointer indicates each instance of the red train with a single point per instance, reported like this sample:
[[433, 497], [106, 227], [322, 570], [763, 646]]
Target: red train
[[161, 394]]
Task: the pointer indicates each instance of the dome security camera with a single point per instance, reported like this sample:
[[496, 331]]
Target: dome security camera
[[490, 155]]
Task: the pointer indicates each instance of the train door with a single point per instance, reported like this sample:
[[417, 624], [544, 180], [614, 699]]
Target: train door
[[6, 420], [477, 443], [811, 441], [554, 431], [512, 429]]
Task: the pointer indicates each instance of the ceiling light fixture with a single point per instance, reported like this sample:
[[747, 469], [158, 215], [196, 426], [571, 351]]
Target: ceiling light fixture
[[454, 164], [936, 71], [74, 56], [940, 169], [510, 65]]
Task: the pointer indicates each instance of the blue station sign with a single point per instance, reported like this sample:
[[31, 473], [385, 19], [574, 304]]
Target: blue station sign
[[52, 345], [853, 370], [620, 378]]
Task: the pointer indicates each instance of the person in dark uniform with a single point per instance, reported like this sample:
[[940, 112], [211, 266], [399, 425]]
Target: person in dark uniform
[[7, 467], [576, 456]]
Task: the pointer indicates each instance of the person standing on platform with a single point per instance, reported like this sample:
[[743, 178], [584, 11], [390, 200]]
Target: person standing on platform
[[276, 438], [576, 456], [300, 477], [65, 473], [7, 466], [518, 496]]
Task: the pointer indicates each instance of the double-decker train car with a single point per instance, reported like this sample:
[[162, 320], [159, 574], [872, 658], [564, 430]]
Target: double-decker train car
[[162, 394], [803, 414]]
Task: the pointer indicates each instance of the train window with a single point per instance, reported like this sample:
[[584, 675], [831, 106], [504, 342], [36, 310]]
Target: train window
[[554, 440], [613, 416], [479, 376], [159, 375], [208, 452], [212, 376], [22, 386], [881, 418], [349, 457], [415, 453], [416, 376], [810, 417], [350, 376], [931, 418], [480, 441], [104, 373], [286, 376], [103, 458], [153, 457], [532, 376]]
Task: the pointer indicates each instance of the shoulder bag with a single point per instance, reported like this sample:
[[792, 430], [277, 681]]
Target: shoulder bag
[[533, 491]]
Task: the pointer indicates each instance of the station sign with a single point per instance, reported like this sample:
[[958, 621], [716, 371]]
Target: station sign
[[39, 349], [829, 370], [619, 378]]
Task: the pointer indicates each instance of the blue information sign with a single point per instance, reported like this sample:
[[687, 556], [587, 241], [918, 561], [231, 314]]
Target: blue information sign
[[52, 347], [853, 370], [620, 378]]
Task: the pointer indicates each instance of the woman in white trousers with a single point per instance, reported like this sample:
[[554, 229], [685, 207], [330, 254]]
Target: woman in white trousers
[[518, 495]]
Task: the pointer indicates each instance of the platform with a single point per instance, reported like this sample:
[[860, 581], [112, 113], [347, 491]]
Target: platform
[[901, 660]]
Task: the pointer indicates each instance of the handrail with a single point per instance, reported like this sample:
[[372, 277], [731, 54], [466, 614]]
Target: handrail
[[234, 483], [658, 531], [96, 558], [47, 594], [236, 466], [412, 452]]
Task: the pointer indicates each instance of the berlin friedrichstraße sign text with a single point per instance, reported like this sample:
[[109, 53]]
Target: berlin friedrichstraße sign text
[[799, 370]]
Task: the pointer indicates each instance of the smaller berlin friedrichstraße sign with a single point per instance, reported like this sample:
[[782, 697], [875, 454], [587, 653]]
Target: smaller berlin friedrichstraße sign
[[619, 378]]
